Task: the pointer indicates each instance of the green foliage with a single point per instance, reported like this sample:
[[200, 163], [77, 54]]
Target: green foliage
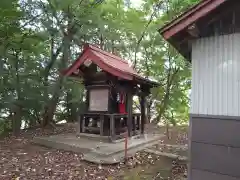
[[38, 38]]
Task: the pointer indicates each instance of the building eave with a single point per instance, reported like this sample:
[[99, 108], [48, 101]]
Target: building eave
[[189, 17]]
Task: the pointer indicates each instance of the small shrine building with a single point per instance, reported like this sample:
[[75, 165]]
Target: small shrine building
[[110, 84]]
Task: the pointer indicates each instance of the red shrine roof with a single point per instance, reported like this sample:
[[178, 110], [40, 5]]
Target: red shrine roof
[[106, 61]]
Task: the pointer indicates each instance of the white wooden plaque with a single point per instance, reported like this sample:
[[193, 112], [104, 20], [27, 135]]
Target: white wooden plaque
[[98, 100]]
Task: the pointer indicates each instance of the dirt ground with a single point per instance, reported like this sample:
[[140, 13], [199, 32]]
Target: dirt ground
[[163, 168], [177, 135], [20, 160]]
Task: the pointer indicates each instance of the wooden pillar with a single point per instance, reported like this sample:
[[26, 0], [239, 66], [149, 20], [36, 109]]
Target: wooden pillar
[[129, 110], [101, 125], [80, 123], [143, 112], [87, 101], [147, 111], [138, 122], [112, 127], [134, 125], [83, 124]]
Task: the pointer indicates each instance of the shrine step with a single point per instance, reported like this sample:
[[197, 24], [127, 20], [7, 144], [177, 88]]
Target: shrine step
[[98, 151], [132, 143], [94, 137], [116, 157], [119, 138]]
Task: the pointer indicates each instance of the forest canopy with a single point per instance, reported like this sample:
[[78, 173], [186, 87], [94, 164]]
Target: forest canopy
[[39, 38]]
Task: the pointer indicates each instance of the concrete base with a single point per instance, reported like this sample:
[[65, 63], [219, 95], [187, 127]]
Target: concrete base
[[105, 138], [169, 155], [98, 151]]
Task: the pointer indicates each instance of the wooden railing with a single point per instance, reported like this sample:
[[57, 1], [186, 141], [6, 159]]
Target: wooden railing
[[111, 125]]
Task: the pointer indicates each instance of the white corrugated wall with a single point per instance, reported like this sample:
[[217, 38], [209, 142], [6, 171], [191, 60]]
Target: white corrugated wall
[[216, 76]]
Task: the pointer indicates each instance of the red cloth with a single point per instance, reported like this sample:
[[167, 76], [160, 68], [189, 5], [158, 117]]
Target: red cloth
[[121, 105], [122, 108]]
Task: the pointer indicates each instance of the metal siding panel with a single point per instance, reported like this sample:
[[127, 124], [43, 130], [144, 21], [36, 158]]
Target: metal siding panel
[[206, 79], [230, 83], [198, 76], [211, 82], [235, 96], [215, 78], [210, 77], [215, 82], [201, 65], [231, 77], [224, 77], [198, 87], [218, 77], [219, 72], [237, 65], [193, 81]]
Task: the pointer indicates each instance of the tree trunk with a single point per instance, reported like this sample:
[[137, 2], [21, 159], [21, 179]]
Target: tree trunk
[[73, 111], [16, 109], [32, 123], [16, 120], [164, 103], [71, 108], [149, 105], [50, 108]]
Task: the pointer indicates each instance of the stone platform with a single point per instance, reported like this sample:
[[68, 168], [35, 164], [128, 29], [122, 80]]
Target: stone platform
[[98, 151]]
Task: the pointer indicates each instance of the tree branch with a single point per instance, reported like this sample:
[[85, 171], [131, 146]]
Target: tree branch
[[144, 32]]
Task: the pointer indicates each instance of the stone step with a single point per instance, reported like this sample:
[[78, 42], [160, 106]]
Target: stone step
[[116, 157], [174, 146], [56, 145], [132, 144], [170, 155], [96, 151]]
